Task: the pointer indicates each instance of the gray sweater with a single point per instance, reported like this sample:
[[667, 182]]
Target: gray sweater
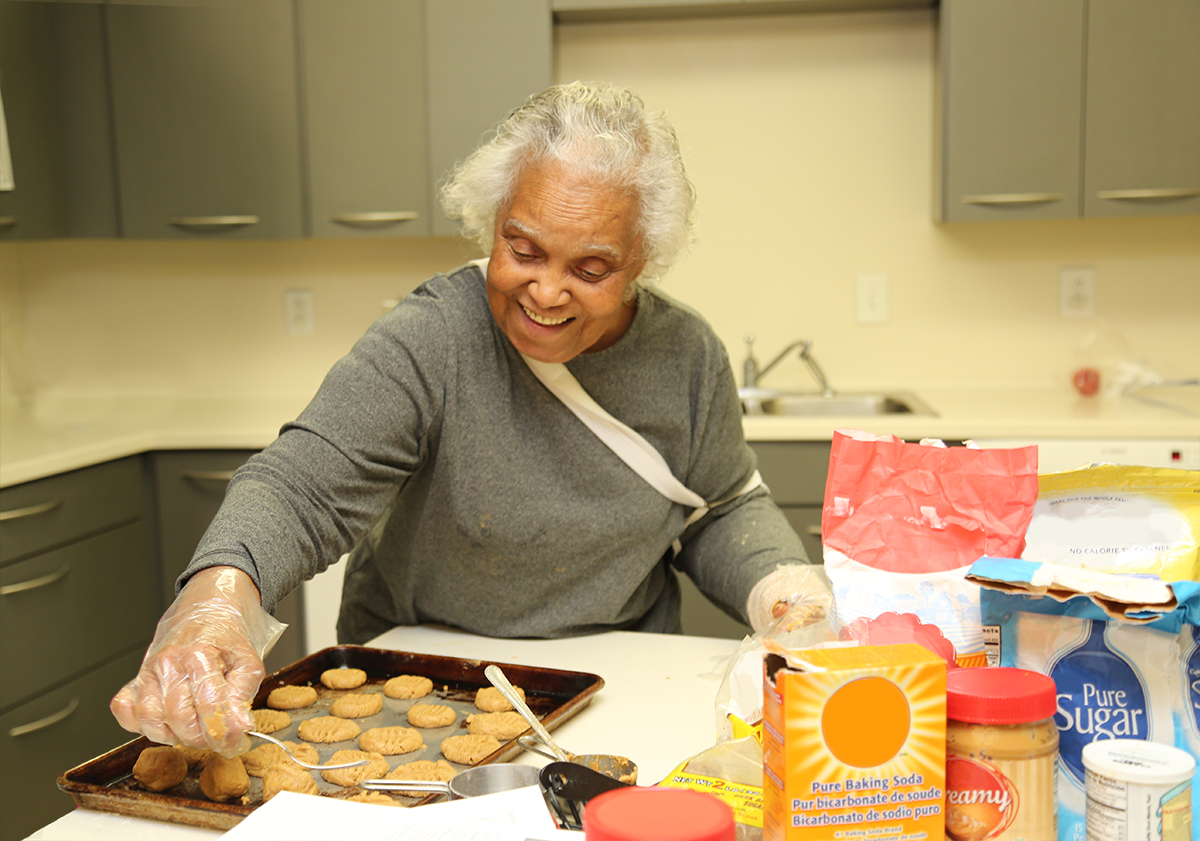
[[472, 497]]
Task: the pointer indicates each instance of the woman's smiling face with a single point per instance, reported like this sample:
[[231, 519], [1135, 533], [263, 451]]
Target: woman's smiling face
[[564, 256]]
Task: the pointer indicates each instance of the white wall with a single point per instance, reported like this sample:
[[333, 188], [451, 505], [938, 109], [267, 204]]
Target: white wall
[[810, 140]]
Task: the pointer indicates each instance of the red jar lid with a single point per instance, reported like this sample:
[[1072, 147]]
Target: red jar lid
[[999, 695], [657, 814]]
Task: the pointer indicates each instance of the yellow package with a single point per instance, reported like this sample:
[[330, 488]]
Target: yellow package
[[1115, 518], [854, 744]]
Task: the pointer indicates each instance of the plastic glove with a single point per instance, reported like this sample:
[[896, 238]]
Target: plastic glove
[[799, 590], [203, 667]]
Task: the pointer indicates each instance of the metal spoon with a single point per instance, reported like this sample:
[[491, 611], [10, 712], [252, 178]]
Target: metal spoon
[[499, 681], [301, 762], [617, 767], [610, 765]]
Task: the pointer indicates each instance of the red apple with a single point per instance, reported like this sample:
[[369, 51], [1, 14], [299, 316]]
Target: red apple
[[1087, 381]]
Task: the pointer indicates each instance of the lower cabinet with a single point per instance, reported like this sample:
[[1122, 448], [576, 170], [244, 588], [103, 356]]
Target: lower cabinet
[[53, 733], [189, 486], [795, 472]]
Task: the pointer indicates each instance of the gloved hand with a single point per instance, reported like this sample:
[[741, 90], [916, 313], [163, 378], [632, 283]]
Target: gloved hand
[[801, 590], [203, 667]]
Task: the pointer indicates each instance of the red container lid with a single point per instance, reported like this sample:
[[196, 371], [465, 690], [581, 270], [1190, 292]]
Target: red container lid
[[999, 695], [657, 814]]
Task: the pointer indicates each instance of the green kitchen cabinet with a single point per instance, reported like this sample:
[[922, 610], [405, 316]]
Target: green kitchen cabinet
[[1143, 108], [55, 90], [78, 606], [189, 486], [396, 92], [1060, 109], [484, 59], [206, 117]]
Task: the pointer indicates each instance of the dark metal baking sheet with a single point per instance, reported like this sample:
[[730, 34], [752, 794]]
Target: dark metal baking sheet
[[106, 783]]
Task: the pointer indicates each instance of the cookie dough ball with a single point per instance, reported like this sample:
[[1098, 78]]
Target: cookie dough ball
[[287, 776], [467, 750], [343, 678], [291, 697], [428, 716], [375, 768], [327, 728], [390, 741], [159, 768], [270, 721], [224, 779], [503, 726], [196, 757], [404, 687], [357, 705], [490, 700]]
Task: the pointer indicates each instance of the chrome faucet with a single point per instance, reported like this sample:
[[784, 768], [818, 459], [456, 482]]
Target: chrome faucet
[[751, 373]]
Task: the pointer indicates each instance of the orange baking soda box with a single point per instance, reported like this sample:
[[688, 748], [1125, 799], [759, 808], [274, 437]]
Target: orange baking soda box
[[854, 744]]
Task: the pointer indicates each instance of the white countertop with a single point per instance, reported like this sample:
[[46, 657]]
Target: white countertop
[[642, 673], [55, 435]]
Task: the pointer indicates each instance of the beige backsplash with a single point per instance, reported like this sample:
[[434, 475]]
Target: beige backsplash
[[810, 140]]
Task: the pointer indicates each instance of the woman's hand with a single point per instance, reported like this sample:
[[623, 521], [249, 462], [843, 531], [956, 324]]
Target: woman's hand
[[800, 589], [203, 667]]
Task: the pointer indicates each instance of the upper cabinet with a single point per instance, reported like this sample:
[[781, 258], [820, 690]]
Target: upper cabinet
[[1056, 109], [257, 118], [397, 91], [207, 120], [52, 80]]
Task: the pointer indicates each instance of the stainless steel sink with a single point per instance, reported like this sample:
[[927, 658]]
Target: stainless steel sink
[[761, 401]]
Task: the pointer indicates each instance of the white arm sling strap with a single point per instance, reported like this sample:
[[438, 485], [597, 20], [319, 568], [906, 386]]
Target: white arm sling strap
[[628, 445]]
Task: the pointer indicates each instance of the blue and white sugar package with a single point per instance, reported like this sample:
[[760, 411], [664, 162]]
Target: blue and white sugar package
[[1123, 651]]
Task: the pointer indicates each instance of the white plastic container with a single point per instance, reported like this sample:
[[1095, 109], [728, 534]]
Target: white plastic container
[[1138, 791]]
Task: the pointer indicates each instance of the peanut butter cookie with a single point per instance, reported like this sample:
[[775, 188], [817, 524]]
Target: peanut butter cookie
[[327, 728], [259, 760], [390, 741], [373, 770], [467, 750], [357, 705], [287, 776], [343, 678], [269, 721], [431, 715], [404, 687], [490, 700], [291, 697], [503, 726]]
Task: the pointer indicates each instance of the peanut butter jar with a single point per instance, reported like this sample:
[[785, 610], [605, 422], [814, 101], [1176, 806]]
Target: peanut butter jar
[[1001, 755]]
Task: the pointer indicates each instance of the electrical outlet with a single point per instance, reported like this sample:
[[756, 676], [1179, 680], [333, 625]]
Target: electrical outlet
[[1077, 293], [299, 318], [872, 299]]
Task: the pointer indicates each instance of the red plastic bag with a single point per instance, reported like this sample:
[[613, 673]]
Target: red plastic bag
[[917, 508]]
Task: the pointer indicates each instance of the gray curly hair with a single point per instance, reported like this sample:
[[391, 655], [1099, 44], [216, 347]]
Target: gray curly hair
[[598, 130]]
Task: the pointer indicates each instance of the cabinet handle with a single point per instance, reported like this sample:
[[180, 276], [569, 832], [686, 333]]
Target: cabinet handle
[[43, 723], [815, 531], [34, 583], [31, 511], [377, 219], [208, 475], [1013, 198], [1148, 194], [211, 223], [8, 221]]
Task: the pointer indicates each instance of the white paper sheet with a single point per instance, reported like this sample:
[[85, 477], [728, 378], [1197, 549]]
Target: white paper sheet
[[519, 815]]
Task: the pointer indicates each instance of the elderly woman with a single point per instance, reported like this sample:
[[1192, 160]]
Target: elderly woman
[[469, 488]]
